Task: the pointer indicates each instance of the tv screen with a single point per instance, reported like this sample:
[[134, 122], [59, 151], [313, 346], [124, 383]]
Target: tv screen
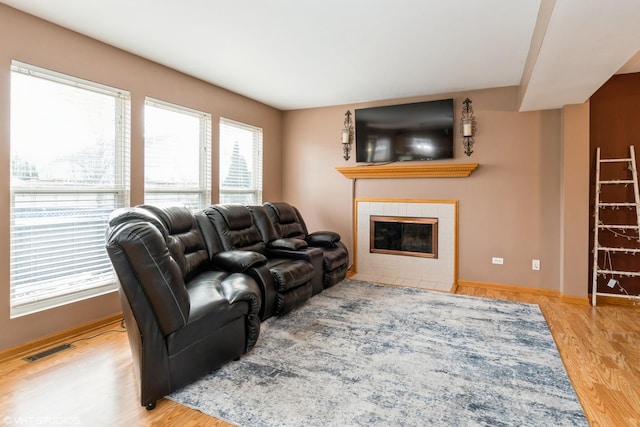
[[416, 131]]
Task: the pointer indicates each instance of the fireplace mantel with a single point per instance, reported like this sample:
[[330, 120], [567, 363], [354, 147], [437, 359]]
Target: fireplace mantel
[[437, 170]]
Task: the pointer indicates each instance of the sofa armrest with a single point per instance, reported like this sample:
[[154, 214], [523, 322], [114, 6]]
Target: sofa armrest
[[240, 287], [288, 243], [323, 238], [238, 261]]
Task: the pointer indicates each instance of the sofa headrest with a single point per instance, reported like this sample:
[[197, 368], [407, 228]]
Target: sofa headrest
[[285, 212], [184, 241], [236, 217], [177, 219], [235, 228], [286, 219], [133, 214]]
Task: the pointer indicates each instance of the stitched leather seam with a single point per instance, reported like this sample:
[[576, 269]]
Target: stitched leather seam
[[165, 280]]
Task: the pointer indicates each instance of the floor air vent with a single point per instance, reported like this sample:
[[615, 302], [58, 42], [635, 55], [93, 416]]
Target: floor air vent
[[47, 352]]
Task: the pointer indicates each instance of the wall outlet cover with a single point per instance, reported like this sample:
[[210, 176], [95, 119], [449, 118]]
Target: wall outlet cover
[[612, 283]]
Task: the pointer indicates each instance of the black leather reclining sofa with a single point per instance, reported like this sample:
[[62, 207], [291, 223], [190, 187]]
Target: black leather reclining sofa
[[194, 287]]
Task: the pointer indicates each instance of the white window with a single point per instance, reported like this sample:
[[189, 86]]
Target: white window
[[69, 170], [177, 155], [240, 163]]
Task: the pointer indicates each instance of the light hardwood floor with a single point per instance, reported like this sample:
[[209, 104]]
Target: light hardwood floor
[[93, 383]]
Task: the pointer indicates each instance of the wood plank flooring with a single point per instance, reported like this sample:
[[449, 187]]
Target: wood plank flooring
[[600, 348], [93, 383]]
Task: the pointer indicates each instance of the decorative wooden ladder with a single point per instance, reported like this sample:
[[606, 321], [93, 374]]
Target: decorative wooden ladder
[[616, 229]]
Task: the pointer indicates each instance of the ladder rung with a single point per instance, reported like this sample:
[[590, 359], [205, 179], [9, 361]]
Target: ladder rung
[[617, 204], [620, 273], [626, 159], [603, 248], [617, 181], [620, 227]]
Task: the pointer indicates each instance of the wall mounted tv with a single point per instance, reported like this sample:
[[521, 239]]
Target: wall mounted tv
[[416, 131]]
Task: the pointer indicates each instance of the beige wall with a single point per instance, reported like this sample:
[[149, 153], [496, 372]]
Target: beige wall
[[574, 243], [526, 200], [510, 207], [31, 40]]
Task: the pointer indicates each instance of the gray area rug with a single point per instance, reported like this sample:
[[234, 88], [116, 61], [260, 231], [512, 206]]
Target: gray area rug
[[361, 354]]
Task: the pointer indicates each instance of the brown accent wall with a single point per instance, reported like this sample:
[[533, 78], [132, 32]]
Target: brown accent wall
[[34, 41], [613, 128], [510, 207]]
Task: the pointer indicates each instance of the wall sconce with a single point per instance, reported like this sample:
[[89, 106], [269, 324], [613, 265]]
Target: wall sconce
[[347, 135], [467, 126]]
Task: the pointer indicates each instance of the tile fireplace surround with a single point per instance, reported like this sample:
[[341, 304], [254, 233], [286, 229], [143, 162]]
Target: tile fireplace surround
[[427, 273]]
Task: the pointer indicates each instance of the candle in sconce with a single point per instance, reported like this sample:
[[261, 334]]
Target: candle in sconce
[[466, 129], [345, 136]]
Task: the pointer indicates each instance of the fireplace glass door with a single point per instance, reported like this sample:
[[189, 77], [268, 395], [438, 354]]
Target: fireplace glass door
[[409, 236]]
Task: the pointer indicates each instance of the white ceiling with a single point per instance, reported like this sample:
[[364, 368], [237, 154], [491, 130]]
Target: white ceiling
[[309, 53]]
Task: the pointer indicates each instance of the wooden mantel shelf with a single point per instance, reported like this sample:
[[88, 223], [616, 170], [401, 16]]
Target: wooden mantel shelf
[[437, 170]]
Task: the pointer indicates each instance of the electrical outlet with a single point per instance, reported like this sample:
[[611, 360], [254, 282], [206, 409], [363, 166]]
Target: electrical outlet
[[535, 264], [496, 260], [612, 283]]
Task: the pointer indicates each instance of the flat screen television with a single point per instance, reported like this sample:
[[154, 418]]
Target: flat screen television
[[416, 131]]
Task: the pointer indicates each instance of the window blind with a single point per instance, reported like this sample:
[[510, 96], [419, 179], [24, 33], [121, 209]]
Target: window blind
[[69, 145], [177, 155], [240, 163]]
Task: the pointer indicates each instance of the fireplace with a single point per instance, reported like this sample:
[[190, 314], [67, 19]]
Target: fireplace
[[437, 272], [410, 236]]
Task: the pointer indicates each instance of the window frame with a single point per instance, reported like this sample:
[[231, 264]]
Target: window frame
[[69, 289], [204, 157], [256, 189]]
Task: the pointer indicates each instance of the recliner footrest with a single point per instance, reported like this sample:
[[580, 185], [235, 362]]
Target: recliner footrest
[[289, 274], [287, 301]]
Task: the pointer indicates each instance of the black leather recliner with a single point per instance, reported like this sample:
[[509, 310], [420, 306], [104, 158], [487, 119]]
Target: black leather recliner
[[291, 248], [288, 224], [185, 315], [249, 262], [291, 283]]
